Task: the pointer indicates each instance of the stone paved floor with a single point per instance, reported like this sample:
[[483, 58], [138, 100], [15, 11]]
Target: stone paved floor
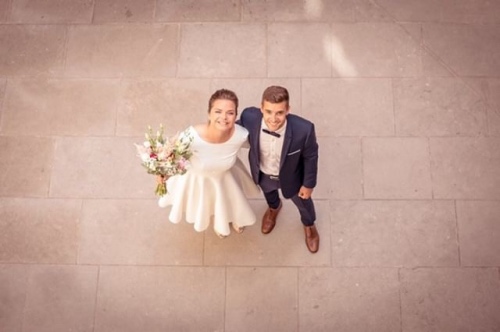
[[405, 96]]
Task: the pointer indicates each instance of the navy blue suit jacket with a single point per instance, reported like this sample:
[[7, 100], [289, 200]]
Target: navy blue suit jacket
[[299, 157]]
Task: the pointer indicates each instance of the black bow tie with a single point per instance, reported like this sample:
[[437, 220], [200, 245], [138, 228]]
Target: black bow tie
[[271, 133]]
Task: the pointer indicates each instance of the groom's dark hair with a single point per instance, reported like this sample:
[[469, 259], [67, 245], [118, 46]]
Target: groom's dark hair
[[275, 94], [223, 94]]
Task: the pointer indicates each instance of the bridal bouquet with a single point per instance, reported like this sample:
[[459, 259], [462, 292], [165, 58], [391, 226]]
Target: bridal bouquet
[[165, 156]]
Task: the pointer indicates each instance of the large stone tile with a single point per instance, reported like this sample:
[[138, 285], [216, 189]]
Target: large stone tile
[[52, 11], [450, 300], [479, 232], [349, 107], [13, 280], [99, 168], [285, 246], [465, 168], [374, 50], [25, 164], [39, 231], [133, 232], [60, 107], [299, 50], [261, 299], [250, 91], [394, 233], [122, 50], [241, 53], [197, 11], [458, 11], [396, 168], [175, 103], [61, 298], [160, 299], [470, 50], [123, 11], [438, 107], [336, 299], [340, 173], [312, 11], [32, 50]]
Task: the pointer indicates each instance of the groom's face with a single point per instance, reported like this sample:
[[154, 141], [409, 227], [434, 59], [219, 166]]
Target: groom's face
[[274, 114]]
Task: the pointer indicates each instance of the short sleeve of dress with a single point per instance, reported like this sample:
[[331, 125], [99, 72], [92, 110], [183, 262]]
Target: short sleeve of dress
[[241, 134]]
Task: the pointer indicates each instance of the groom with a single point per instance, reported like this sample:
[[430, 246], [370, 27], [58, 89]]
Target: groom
[[283, 155]]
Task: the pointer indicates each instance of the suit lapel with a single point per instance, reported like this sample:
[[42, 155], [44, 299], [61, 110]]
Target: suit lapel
[[286, 143], [256, 138]]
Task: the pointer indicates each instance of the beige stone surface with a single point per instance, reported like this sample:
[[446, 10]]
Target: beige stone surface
[[339, 169], [79, 169], [299, 50], [450, 299], [32, 50], [396, 168], [248, 288], [51, 11], [335, 106], [312, 11], [39, 230], [334, 299], [438, 107], [5, 10], [470, 50], [13, 280], [447, 11], [126, 50], [132, 298], [493, 98], [175, 103], [197, 11], [479, 230], [478, 173], [25, 165], [60, 107], [3, 84], [205, 53], [374, 50], [135, 232], [394, 233], [114, 11], [60, 298]]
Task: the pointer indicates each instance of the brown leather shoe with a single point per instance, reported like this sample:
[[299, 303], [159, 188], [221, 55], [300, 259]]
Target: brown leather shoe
[[269, 219], [312, 238]]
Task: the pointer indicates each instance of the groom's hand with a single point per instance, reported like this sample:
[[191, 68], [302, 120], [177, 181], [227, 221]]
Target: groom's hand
[[305, 193]]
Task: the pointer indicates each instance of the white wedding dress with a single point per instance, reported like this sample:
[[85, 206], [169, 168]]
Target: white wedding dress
[[213, 187]]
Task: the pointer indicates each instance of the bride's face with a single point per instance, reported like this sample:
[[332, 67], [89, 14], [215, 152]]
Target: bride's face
[[222, 115]]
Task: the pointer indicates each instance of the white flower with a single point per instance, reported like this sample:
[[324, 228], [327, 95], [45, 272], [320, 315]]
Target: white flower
[[147, 144]]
